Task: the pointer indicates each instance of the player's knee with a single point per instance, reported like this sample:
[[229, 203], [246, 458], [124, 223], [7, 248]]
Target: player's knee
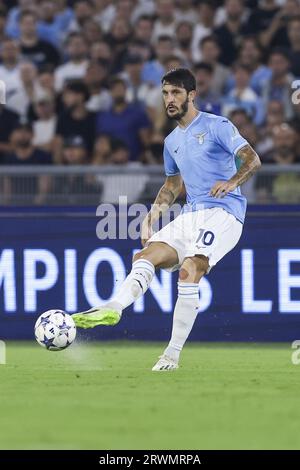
[[193, 268]]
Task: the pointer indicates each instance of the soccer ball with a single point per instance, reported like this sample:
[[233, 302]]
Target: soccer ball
[[55, 330]]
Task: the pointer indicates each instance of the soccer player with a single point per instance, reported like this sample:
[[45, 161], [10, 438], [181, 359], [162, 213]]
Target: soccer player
[[200, 152]]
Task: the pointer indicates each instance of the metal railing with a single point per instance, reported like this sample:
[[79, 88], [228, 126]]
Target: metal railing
[[90, 185]]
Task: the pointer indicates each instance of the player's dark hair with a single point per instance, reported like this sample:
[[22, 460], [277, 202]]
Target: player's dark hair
[[180, 77]]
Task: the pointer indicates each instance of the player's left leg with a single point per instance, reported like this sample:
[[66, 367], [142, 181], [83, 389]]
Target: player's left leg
[[186, 310]]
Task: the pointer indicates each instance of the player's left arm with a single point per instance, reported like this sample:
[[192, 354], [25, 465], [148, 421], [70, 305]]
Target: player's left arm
[[251, 163]]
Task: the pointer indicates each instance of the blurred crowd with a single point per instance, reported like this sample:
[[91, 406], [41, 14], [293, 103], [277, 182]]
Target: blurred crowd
[[83, 77]]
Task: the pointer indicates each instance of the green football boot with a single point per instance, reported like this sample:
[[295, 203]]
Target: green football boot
[[107, 315]]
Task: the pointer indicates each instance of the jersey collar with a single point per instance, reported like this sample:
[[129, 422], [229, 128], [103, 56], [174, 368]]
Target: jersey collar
[[191, 123]]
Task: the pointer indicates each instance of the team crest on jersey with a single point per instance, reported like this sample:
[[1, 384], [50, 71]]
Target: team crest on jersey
[[200, 137]]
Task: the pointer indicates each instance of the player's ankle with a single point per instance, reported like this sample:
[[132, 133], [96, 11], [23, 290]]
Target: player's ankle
[[115, 305], [173, 353]]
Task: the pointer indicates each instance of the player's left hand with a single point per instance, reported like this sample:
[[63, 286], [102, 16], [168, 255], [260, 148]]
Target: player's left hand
[[221, 188]]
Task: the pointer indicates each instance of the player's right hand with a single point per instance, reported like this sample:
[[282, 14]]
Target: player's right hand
[[146, 231]]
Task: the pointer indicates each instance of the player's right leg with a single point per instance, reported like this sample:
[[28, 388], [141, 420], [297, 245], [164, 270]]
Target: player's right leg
[[156, 255]]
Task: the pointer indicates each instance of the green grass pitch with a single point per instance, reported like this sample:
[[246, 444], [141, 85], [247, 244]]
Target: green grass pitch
[[104, 396]]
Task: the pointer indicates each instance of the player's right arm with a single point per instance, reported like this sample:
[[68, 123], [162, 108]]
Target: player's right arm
[[166, 196]]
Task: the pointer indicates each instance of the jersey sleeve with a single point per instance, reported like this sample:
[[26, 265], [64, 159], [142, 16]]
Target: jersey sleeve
[[171, 169], [228, 136]]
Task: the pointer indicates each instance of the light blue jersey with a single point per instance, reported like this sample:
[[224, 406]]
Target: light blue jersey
[[203, 153]]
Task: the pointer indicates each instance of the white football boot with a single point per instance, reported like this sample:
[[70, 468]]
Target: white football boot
[[165, 363]]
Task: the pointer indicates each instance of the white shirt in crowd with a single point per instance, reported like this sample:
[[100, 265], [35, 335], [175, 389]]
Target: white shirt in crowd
[[69, 71], [44, 131]]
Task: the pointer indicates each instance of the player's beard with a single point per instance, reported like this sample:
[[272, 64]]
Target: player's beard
[[181, 112]]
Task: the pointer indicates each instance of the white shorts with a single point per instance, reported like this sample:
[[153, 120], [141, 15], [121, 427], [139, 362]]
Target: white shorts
[[209, 232]]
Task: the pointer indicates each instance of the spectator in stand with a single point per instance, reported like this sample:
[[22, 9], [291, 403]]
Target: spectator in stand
[[46, 85], [251, 55], [45, 125], [119, 152], [8, 122], [165, 24], [50, 27], [118, 38], [143, 29], [127, 122], [92, 32], [46, 80], [138, 91], [78, 188], [83, 10], [75, 151], [284, 150], [286, 187], [274, 34], [105, 12], [204, 27], [22, 98], [140, 48], [242, 96], [206, 100], [76, 66], [274, 117], [210, 52], [184, 36], [185, 11], [103, 52], [294, 49], [124, 11], [75, 119], [36, 50], [239, 117], [231, 32], [35, 189], [10, 67], [102, 150], [262, 16], [279, 86], [154, 70], [12, 27], [96, 80], [64, 14]]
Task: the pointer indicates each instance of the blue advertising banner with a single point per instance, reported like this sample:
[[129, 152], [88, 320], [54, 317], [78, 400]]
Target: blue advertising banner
[[52, 258]]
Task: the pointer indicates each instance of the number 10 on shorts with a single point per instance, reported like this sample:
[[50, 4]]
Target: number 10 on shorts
[[205, 236]]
